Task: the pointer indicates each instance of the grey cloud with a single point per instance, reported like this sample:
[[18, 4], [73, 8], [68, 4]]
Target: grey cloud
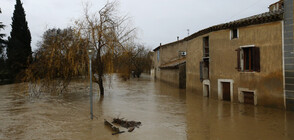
[[158, 21]]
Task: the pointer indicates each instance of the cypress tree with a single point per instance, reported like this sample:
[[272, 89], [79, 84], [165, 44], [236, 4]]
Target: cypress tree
[[19, 50]]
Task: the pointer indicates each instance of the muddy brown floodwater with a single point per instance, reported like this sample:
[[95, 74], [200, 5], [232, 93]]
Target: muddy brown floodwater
[[165, 112]]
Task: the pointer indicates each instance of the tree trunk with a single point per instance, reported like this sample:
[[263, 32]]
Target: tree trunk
[[100, 72], [100, 83]]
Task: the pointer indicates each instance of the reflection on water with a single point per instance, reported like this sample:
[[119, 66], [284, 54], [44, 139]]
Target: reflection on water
[[165, 112]]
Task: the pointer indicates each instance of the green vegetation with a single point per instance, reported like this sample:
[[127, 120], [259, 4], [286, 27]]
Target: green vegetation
[[19, 50]]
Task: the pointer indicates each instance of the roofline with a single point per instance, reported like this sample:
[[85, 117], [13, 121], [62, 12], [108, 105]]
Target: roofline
[[173, 67], [171, 43], [266, 17]]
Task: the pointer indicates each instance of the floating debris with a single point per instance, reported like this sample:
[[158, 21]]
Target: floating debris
[[130, 125], [115, 129], [126, 124], [131, 129], [118, 132]]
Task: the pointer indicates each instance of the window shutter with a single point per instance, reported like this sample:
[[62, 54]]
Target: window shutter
[[201, 70], [256, 58], [238, 59]]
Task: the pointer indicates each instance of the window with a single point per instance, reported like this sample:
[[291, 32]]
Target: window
[[158, 53], [247, 96], [234, 33], [206, 46], [248, 59], [204, 69], [204, 65]]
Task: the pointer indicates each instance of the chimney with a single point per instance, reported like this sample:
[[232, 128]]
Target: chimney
[[276, 6]]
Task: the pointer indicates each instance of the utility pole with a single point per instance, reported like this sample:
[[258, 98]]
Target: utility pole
[[91, 52]]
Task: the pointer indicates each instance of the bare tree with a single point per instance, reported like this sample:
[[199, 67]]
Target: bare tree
[[107, 32], [134, 60], [141, 61], [123, 61]]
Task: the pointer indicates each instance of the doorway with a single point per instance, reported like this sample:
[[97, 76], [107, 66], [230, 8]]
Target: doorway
[[206, 88], [226, 91]]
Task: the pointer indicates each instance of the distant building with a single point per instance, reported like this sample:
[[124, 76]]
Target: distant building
[[250, 60], [170, 63]]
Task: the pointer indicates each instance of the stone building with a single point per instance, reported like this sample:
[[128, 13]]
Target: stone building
[[250, 60], [169, 63], [239, 61]]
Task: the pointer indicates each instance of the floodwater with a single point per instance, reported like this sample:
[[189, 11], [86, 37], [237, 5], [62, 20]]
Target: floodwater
[[165, 112]]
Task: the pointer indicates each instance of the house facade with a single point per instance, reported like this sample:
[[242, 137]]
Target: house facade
[[242, 63], [249, 61], [169, 63]]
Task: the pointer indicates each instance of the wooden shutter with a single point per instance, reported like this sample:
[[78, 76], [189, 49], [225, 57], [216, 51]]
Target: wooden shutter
[[201, 70], [256, 58], [238, 59]]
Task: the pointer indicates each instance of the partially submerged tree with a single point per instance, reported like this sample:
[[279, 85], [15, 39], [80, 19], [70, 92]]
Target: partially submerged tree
[[61, 56], [141, 61], [134, 60], [107, 32], [19, 50], [123, 62]]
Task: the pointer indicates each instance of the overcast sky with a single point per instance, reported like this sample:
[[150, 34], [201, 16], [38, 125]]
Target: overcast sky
[[157, 21]]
